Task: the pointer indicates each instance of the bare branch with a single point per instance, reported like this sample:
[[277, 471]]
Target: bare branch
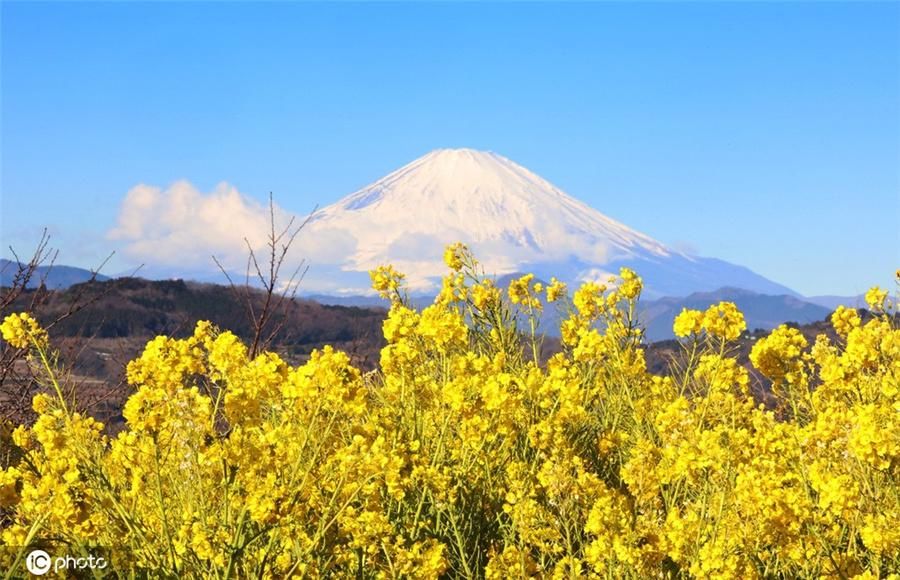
[[264, 317]]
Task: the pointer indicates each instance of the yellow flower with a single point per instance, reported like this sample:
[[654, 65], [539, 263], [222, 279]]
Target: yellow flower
[[555, 290], [844, 320], [9, 478], [454, 255], [42, 403], [875, 436], [631, 285], [485, 295], [386, 281], [521, 292], [589, 300], [688, 322], [724, 320], [22, 331], [876, 298], [777, 356], [881, 533]]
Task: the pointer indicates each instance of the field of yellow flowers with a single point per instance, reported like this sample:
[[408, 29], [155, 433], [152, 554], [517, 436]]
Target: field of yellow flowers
[[464, 456]]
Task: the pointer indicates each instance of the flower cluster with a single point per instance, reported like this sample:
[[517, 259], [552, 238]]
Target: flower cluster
[[723, 321], [21, 330], [473, 453]]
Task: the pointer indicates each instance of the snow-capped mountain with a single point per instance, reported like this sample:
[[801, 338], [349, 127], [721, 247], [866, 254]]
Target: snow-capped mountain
[[513, 220]]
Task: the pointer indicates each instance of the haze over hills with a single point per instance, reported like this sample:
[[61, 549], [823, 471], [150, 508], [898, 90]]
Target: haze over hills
[[761, 311], [832, 302], [54, 277], [514, 221]]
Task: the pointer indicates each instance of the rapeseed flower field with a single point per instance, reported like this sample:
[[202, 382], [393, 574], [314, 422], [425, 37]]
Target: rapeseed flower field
[[467, 456]]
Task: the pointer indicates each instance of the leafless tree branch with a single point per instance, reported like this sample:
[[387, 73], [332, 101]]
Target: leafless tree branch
[[264, 314]]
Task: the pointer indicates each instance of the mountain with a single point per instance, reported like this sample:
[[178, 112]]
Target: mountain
[[832, 302], [513, 220], [54, 277], [760, 311]]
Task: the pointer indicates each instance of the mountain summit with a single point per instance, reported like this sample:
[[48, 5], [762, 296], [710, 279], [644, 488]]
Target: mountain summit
[[513, 219]]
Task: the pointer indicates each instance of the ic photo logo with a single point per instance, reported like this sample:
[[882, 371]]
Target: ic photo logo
[[39, 563]]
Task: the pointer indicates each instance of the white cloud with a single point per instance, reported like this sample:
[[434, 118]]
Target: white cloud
[[597, 275], [325, 245], [181, 226]]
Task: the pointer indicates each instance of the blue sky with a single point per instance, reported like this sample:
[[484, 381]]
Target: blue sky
[[765, 134]]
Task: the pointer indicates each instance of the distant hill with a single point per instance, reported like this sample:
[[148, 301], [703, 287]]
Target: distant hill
[[761, 311], [373, 301], [55, 277], [356, 300], [201, 275], [138, 308]]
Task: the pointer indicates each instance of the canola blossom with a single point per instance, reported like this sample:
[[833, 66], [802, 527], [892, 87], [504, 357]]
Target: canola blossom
[[468, 456]]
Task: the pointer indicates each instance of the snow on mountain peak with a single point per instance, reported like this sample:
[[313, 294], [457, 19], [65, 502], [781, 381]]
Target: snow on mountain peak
[[512, 219], [507, 214]]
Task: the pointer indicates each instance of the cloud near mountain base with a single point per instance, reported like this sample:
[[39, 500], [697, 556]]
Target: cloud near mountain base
[[182, 226]]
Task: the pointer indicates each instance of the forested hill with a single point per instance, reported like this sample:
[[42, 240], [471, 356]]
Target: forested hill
[[138, 308]]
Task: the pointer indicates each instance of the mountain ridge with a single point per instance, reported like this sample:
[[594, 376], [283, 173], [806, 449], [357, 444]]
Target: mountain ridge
[[761, 311], [54, 276]]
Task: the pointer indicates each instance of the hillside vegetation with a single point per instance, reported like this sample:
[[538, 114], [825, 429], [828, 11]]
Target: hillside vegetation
[[134, 307]]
